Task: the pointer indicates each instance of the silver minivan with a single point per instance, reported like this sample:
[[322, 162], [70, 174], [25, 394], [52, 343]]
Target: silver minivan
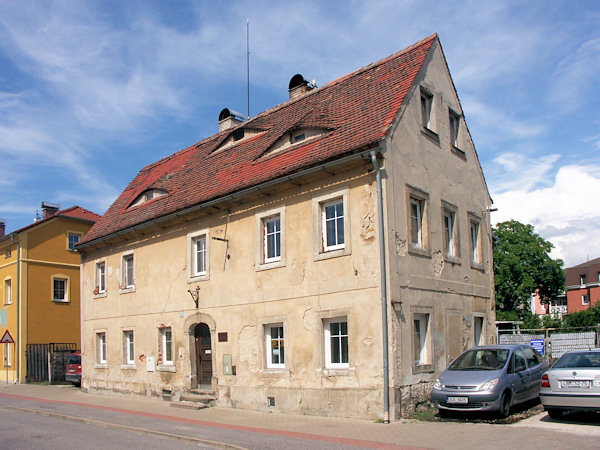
[[490, 378]]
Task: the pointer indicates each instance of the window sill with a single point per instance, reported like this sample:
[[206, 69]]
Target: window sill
[[128, 367], [327, 254], [455, 260], [100, 366], [61, 301], [199, 277], [458, 152], [432, 135], [418, 251], [271, 265], [100, 295], [127, 290], [477, 266], [423, 368], [166, 368]]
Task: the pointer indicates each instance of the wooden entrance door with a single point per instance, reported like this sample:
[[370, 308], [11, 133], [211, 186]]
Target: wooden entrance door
[[203, 354]]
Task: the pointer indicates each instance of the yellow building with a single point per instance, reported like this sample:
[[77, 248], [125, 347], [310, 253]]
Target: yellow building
[[39, 271]]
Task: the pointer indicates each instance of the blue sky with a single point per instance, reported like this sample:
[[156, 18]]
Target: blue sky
[[90, 92]]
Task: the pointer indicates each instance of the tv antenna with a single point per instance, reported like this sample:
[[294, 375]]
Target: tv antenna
[[248, 63]]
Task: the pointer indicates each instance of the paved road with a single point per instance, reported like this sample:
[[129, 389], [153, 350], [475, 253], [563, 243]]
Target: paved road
[[65, 408]]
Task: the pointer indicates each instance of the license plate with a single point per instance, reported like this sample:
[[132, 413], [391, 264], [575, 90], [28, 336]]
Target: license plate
[[463, 400], [575, 384]]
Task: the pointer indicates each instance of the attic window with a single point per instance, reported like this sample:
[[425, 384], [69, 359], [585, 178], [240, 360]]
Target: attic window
[[148, 195], [298, 137], [238, 134]]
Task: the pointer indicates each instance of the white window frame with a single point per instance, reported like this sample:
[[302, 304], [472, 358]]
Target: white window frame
[[475, 242], [450, 236], [7, 291], [127, 285], [421, 339], [166, 344], [426, 108], [129, 347], [583, 279], [275, 235], [195, 273], [100, 277], [585, 299], [262, 261], [67, 294], [335, 220], [416, 221], [327, 338], [417, 210], [478, 329], [320, 204], [280, 340], [101, 347], [73, 233], [454, 127]]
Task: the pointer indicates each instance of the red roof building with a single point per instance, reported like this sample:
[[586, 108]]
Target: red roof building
[[583, 285], [328, 256]]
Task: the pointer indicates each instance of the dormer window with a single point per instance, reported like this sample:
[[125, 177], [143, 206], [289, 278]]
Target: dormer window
[[238, 134], [298, 137], [148, 195]]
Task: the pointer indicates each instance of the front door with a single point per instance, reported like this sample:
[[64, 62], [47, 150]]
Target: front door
[[203, 354]]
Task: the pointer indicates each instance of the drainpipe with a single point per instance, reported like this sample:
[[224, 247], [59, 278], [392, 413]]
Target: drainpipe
[[384, 317], [18, 341]]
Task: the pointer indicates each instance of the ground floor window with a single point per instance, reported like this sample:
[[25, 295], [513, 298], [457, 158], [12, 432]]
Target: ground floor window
[[101, 348], [275, 345], [129, 348], [336, 342], [166, 338], [421, 339]]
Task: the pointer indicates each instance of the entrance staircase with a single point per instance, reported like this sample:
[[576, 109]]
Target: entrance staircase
[[194, 399]]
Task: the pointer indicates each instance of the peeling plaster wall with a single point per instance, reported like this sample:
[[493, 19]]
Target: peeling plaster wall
[[240, 299], [427, 281]]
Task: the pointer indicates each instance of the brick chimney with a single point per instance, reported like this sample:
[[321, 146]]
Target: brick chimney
[[2, 227], [228, 118], [49, 209], [299, 86]]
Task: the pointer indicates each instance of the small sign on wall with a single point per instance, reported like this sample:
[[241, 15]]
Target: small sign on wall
[[150, 364]]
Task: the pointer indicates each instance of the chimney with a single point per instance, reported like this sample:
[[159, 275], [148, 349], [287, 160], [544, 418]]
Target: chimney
[[299, 86], [228, 118], [49, 209], [2, 227]]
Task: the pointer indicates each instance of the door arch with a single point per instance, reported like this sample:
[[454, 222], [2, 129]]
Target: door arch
[[203, 353], [196, 326]]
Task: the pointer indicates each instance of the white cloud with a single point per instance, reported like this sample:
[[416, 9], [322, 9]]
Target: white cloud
[[563, 213]]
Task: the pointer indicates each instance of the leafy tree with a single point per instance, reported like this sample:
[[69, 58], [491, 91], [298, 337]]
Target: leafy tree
[[522, 266]]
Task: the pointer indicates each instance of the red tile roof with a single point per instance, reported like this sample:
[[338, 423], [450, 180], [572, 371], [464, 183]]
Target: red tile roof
[[355, 111], [75, 212]]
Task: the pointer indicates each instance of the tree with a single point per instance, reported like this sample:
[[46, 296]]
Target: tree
[[522, 266]]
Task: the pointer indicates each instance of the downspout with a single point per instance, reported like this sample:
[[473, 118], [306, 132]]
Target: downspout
[[382, 266], [18, 341]]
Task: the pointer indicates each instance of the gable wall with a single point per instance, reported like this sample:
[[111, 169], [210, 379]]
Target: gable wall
[[450, 289]]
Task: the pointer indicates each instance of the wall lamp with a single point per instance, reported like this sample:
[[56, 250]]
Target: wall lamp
[[195, 295]]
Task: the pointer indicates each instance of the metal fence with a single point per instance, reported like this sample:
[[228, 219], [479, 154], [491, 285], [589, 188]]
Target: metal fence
[[552, 343], [46, 362]]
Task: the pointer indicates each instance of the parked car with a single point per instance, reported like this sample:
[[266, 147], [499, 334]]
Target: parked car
[[73, 372], [572, 384], [489, 378]]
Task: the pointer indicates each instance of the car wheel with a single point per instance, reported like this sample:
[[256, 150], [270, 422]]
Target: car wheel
[[504, 410], [554, 413]]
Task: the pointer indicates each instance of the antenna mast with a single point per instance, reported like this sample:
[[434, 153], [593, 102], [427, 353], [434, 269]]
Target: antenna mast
[[248, 63]]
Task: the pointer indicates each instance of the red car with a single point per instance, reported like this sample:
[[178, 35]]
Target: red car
[[73, 373]]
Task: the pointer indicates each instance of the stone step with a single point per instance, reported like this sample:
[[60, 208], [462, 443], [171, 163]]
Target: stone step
[[188, 405], [198, 398]]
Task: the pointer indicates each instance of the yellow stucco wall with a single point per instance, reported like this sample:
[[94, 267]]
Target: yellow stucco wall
[[8, 307]]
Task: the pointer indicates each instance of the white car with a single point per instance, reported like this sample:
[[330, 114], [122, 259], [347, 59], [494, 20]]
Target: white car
[[572, 384]]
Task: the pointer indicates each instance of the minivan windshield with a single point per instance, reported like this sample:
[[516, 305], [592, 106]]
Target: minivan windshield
[[481, 359], [578, 360], [74, 359]]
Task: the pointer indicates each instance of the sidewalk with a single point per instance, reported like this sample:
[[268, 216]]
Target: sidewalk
[[106, 408]]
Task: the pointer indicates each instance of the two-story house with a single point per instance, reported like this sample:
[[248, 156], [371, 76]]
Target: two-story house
[[39, 272], [328, 256], [583, 285]]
